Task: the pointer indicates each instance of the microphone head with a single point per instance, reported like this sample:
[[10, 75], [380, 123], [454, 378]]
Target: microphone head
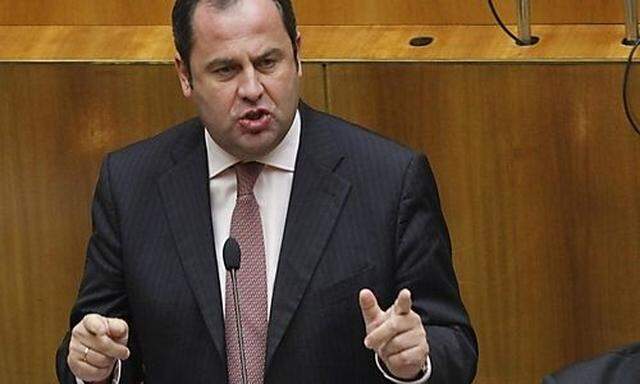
[[231, 254]]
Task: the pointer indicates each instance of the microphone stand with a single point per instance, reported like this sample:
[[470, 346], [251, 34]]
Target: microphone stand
[[631, 22], [524, 23], [236, 303], [231, 257]]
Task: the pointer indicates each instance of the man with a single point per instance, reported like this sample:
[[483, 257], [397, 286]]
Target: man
[[322, 209], [620, 366]]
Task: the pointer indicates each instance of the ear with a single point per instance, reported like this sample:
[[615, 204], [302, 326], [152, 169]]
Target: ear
[[299, 46], [184, 75]]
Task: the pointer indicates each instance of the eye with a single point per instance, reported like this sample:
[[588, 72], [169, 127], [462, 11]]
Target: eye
[[224, 72], [267, 63]]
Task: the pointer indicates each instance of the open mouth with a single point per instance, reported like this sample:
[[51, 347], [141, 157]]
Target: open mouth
[[254, 114], [256, 120]]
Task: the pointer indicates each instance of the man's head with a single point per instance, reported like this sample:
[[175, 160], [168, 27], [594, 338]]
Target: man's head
[[182, 20], [238, 61]]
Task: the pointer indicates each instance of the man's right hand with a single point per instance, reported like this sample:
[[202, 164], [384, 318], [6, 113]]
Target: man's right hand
[[96, 343]]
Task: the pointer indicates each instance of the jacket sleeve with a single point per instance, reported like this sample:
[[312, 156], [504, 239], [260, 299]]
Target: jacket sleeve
[[424, 265], [102, 288]]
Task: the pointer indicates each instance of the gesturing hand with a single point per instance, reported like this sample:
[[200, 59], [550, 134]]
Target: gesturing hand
[[96, 342], [396, 335]]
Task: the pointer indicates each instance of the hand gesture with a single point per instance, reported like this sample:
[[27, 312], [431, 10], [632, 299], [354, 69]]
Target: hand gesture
[[96, 343], [396, 335]]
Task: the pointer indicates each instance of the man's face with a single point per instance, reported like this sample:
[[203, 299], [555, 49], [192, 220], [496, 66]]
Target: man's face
[[245, 81]]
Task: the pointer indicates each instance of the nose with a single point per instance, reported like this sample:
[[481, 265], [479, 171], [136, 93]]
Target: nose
[[250, 88]]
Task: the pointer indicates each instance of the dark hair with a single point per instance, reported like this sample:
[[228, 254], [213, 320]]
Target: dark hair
[[182, 19]]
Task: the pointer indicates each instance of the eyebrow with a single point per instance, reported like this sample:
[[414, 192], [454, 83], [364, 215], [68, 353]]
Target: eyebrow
[[221, 62], [271, 52], [227, 61]]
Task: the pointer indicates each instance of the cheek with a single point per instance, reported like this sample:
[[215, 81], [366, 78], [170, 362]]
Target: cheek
[[283, 89], [216, 102]]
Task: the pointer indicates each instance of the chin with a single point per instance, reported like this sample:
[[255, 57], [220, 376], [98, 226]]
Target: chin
[[252, 152], [260, 146]]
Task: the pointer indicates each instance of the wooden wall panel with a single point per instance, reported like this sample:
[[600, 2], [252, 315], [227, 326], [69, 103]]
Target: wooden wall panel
[[85, 12], [57, 121], [321, 44], [340, 12], [314, 12], [538, 174]]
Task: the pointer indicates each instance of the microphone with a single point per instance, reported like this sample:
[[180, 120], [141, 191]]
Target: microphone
[[231, 256]]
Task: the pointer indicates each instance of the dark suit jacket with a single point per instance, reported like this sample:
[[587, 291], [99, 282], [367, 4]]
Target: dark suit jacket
[[621, 366], [364, 212]]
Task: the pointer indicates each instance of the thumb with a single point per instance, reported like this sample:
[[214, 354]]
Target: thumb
[[95, 324], [118, 330], [403, 303], [369, 306]]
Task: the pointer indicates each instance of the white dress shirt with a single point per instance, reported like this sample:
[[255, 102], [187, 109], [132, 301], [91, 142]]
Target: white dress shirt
[[272, 191]]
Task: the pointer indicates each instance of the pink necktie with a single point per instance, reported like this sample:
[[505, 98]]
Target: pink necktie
[[246, 228]]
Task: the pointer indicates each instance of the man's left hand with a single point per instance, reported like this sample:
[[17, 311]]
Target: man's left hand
[[396, 335]]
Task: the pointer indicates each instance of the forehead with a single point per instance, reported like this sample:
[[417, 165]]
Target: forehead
[[244, 20]]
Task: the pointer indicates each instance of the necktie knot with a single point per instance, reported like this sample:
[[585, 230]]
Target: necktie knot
[[247, 174]]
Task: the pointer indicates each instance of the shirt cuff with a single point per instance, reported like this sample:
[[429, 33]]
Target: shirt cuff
[[421, 380], [115, 376]]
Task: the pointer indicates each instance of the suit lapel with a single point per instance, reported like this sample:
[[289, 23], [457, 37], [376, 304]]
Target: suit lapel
[[317, 198], [185, 193]]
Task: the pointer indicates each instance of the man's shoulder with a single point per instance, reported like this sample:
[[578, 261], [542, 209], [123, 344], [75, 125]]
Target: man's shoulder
[[620, 366], [147, 159], [354, 139], [185, 133]]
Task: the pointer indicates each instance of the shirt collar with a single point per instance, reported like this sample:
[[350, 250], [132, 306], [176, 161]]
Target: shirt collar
[[282, 157]]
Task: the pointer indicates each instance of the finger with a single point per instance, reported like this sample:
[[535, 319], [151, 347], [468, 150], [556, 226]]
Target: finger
[[402, 342], [104, 345], [403, 302], [414, 357], [99, 360], [95, 324], [93, 332], [369, 306], [86, 369], [393, 326], [118, 330], [93, 358], [87, 372], [113, 349]]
